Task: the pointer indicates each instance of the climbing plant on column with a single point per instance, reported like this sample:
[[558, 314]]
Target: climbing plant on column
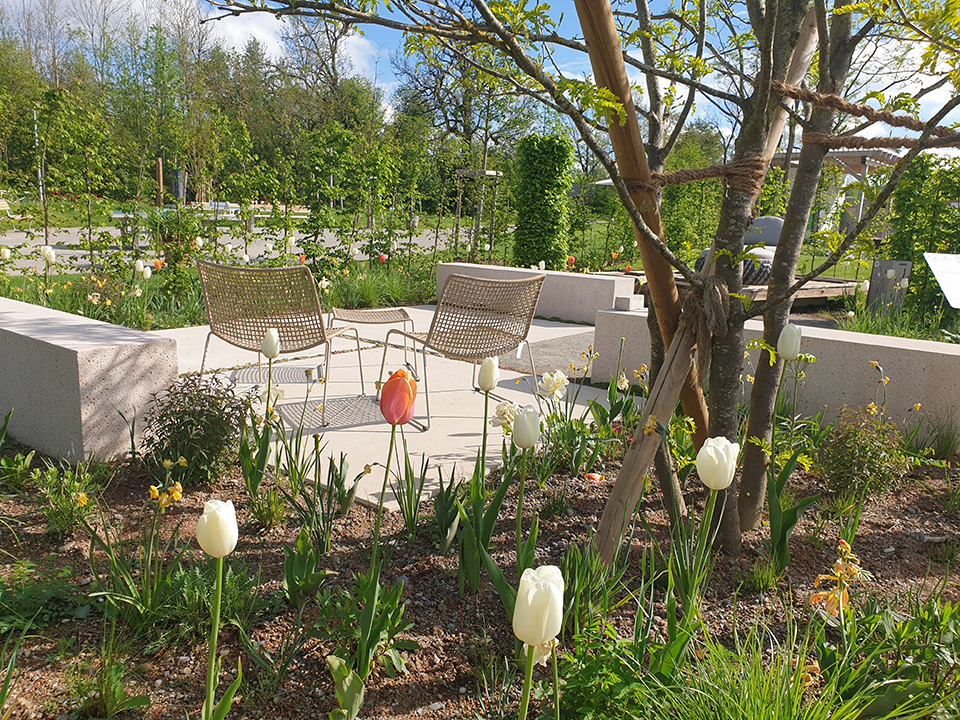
[[540, 200]]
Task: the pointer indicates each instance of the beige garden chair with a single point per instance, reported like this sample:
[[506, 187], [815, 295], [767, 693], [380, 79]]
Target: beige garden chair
[[243, 303], [475, 318]]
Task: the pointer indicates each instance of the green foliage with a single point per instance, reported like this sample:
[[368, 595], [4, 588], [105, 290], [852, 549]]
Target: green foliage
[[185, 615], [539, 193], [348, 687], [446, 515], [34, 597], [591, 590], [198, 419], [101, 692], [363, 623], [924, 221], [408, 489], [862, 453], [301, 576], [784, 514]]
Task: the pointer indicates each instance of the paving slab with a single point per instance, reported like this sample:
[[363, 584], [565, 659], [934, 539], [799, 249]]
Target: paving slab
[[355, 425]]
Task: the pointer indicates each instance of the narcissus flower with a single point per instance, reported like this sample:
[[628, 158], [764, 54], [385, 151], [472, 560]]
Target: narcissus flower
[[554, 385]]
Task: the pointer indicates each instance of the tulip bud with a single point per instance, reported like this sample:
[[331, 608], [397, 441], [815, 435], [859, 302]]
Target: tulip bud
[[538, 612], [270, 346], [526, 427], [891, 274], [865, 286], [489, 374], [147, 273], [717, 462], [904, 284], [198, 243], [788, 346], [542, 265], [138, 267], [228, 248], [244, 258], [217, 530], [268, 246], [4, 253], [397, 398]]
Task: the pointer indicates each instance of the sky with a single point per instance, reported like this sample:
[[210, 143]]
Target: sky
[[369, 53]]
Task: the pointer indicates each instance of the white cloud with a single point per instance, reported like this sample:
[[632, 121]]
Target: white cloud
[[235, 31]]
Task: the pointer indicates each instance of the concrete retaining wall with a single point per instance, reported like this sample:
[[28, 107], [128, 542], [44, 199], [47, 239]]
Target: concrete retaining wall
[[66, 377], [919, 370], [573, 297]]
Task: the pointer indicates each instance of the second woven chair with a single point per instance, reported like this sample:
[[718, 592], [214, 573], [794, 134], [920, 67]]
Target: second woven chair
[[476, 318]]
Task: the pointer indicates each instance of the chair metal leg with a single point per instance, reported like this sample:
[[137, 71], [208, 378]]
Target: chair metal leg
[[423, 427], [359, 361], [206, 345], [326, 383]]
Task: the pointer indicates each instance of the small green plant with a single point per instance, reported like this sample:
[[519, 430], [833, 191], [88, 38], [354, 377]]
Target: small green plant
[[942, 434], [446, 515], [199, 420], [102, 692], [408, 489], [363, 623], [315, 506], [273, 667], [185, 617], [862, 453], [67, 494], [35, 596], [763, 575], [268, 507], [784, 514], [555, 502], [590, 589], [301, 578]]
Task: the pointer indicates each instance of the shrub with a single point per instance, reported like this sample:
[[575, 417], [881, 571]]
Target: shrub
[[540, 201], [199, 420], [863, 452]]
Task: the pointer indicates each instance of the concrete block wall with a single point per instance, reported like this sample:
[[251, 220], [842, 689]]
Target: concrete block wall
[[572, 297], [919, 370], [66, 376]]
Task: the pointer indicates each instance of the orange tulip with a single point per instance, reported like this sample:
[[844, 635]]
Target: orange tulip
[[397, 398], [157, 264]]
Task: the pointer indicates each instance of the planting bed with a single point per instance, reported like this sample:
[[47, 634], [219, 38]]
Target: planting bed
[[459, 636]]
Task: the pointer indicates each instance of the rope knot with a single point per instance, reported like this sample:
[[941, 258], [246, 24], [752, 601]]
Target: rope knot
[[706, 311]]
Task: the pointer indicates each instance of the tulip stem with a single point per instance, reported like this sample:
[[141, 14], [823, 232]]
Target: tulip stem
[[523, 477], [556, 684], [383, 492], [483, 448], [527, 682], [214, 631]]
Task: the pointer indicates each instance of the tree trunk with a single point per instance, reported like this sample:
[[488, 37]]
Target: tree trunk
[[763, 398]]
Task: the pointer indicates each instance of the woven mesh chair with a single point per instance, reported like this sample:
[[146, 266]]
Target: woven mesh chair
[[476, 318], [243, 303]]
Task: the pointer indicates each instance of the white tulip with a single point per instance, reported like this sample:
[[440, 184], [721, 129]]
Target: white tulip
[[489, 374], [198, 243], [228, 248], [865, 286], [717, 462], [270, 347], [138, 267], [891, 274], [244, 258], [4, 253], [538, 612], [526, 427], [542, 265], [268, 246], [217, 530], [147, 273], [788, 345], [904, 284], [486, 247]]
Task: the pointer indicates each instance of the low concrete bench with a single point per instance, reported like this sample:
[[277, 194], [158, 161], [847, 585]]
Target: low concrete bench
[[920, 371], [573, 297], [66, 376]]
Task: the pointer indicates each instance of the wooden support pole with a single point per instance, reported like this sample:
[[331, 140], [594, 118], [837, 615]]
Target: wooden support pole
[[606, 59], [159, 182]]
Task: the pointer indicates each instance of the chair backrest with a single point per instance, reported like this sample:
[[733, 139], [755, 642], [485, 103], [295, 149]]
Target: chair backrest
[[243, 303], [480, 317], [5, 206]]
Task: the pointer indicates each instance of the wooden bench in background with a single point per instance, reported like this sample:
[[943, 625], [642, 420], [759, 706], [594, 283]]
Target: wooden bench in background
[[14, 217]]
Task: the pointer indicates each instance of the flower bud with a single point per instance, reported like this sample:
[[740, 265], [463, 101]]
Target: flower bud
[[788, 346], [526, 427], [217, 530], [717, 462], [538, 612], [489, 374], [270, 346]]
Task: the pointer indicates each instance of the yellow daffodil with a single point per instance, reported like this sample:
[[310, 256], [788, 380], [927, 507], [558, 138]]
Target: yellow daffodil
[[82, 499], [154, 492], [164, 502], [872, 408], [874, 364], [916, 407], [167, 464], [182, 461], [885, 379], [650, 426]]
